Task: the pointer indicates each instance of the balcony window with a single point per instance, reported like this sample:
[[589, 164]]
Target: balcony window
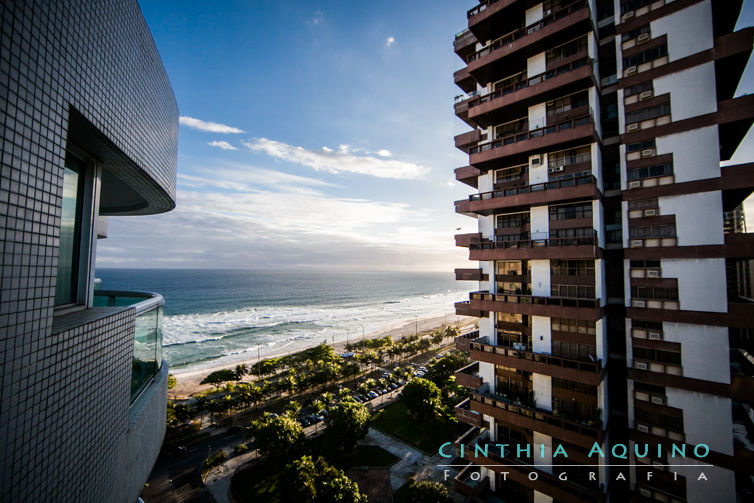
[[573, 291], [574, 386], [571, 211], [653, 171], [652, 231], [561, 52], [572, 268], [66, 288], [645, 56], [567, 103], [644, 292], [511, 174], [571, 156], [641, 146], [648, 113], [512, 220], [511, 128], [574, 351], [657, 355], [511, 339], [513, 267], [573, 326], [674, 423], [632, 5]]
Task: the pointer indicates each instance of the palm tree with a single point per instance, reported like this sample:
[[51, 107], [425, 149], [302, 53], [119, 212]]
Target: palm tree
[[201, 403]]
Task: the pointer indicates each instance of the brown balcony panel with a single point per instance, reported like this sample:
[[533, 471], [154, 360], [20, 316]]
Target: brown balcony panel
[[464, 80], [465, 486], [463, 341], [538, 420], [682, 382], [468, 376], [465, 309], [563, 368], [468, 138], [739, 315], [734, 117], [466, 415], [525, 250], [532, 195], [468, 175], [737, 183], [466, 240], [483, 17], [587, 310], [471, 275], [739, 246], [574, 20], [493, 109], [464, 44], [561, 135]]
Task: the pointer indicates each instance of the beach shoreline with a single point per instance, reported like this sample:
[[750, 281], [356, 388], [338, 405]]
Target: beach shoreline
[[188, 379]]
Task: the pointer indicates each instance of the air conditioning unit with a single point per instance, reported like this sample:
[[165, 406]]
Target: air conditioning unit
[[650, 212], [647, 152], [642, 428], [658, 400], [636, 184], [547, 12], [645, 493], [639, 303], [626, 16], [645, 95], [632, 127], [558, 169], [535, 160], [655, 336], [636, 243], [629, 71], [551, 169], [653, 273], [644, 37]]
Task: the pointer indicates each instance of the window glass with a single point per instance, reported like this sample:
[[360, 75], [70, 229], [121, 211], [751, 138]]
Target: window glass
[[66, 288]]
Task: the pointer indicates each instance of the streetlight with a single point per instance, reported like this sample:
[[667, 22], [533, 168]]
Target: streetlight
[[363, 334]]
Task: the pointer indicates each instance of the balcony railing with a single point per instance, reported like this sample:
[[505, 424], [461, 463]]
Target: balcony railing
[[523, 84], [534, 133], [520, 33], [544, 241], [147, 357], [536, 187], [558, 361], [464, 340], [530, 299]]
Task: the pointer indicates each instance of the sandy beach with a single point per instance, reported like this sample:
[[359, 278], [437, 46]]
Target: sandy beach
[[187, 380]]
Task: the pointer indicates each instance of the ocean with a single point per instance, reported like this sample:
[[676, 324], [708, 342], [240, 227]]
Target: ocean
[[218, 317]]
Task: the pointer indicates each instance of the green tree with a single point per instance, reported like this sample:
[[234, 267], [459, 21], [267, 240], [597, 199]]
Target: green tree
[[347, 422], [240, 370], [315, 481], [440, 370], [200, 404], [293, 408], [428, 491], [422, 398], [171, 381], [279, 438], [218, 377]]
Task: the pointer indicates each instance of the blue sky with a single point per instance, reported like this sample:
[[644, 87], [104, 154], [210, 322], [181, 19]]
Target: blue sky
[[313, 135]]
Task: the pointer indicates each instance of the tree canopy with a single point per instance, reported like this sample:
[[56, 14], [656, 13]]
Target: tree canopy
[[347, 422], [422, 398], [306, 480], [280, 438]]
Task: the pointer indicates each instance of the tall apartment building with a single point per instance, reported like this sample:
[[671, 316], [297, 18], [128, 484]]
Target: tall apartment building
[[88, 129], [614, 298]]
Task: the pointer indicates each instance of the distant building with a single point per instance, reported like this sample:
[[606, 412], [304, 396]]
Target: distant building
[[614, 300], [89, 130]]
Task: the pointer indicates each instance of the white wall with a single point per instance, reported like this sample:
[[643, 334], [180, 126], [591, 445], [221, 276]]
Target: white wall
[[692, 91], [693, 159], [486, 181], [600, 338], [541, 497], [594, 104], [538, 174], [689, 30], [600, 281], [536, 64], [704, 350], [701, 283], [598, 221], [486, 225], [698, 217], [487, 373], [534, 14], [537, 116], [626, 266], [602, 400], [487, 327], [541, 334], [540, 278], [542, 386], [487, 267], [719, 486], [539, 440], [707, 419], [597, 165], [539, 222]]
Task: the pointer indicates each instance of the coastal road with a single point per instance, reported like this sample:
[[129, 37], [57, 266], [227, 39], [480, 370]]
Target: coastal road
[[177, 478]]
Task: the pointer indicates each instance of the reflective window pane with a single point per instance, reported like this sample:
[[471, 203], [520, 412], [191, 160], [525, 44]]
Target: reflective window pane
[[70, 233]]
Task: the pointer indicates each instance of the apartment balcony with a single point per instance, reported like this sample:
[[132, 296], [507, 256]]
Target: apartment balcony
[[463, 341], [466, 415], [471, 275], [147, 353], [541, 247], [469, 376], [466, 309], [584, 371], [736, 183], [468, 175], [513, 48], [734, 118], [485, 17], [465, 140], [469, 485], [464, 44], [468, 239], [461, 107], [514, 99], [554, 307], [738, 315], [516, 148], [464, 80], [508, 411], [575, 188]]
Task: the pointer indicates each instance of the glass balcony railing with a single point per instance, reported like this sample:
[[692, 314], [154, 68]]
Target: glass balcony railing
[[147, 357]]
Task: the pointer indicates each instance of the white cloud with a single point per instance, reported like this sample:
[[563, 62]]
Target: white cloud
[[224, 145], [317, 18], [341, 161], [390, 41], [383, 152], [210, 127]]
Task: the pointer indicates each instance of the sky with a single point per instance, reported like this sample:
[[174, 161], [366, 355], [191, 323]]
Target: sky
[[313, 135]]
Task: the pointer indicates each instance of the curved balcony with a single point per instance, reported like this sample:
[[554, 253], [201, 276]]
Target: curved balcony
[[467, 416], [544, 421], [514, 99], [588, 372], [147, 355], [468, 175], [543, 247], [554, 307], [465, 140], [561, 25], [464, 43], [471, 275], [464, 80], [465, 309], [486, 203], [463, 341], [515, 149]]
